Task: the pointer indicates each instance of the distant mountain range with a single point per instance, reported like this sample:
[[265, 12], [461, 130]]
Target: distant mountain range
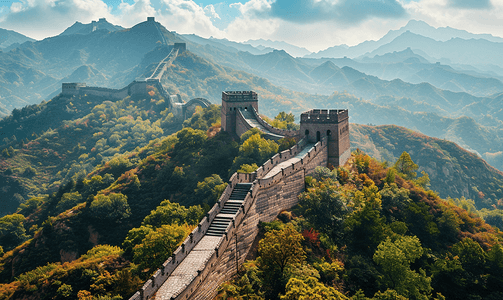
[[400, 87], [226, 45], [107, 57], [293, 50], [9, 37], [413, 26]]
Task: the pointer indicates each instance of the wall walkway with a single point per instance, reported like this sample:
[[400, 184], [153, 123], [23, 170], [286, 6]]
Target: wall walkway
[[214, 250], [248, 119]]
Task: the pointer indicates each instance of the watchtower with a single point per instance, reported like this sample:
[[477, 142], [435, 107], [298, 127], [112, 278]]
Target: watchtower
[[333, 124], [231, 102], [72, 88], [181, 47]]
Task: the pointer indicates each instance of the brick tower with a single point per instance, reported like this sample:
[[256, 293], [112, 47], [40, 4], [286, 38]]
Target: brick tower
[[231, 102], [319, 123]]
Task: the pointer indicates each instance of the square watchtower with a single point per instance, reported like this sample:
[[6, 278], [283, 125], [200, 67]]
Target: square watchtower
[[333, 124], [231, 102]]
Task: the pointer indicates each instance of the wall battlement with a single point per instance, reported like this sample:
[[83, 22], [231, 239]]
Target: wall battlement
[[324, 116], [239, 96]]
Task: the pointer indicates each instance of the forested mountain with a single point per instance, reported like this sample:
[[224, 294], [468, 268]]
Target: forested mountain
[[34, 70], [454, 172], [126, 191]]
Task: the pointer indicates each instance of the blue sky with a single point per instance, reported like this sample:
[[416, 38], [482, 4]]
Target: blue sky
[[313, 24]]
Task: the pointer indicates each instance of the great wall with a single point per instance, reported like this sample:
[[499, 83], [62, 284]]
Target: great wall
[[139, 86], [213, 251]]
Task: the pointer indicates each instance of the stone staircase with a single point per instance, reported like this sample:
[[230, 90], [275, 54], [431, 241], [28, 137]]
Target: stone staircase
[[230, 209]]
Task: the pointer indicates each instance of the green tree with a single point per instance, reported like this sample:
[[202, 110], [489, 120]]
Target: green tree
[[134, 237], [209, 190], [173, 213], [30, 206], [406, 167], [247, 168], [324, 208], [281, 248], [388, 295], [321, 173], [158, 245], [395, 258], [68, 200], [254, 150], [364, 230], [113, 207], [12, 231], [471, 255], [310, 289], [249, 133]]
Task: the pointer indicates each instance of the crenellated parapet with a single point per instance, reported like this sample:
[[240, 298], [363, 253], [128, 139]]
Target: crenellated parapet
[[324, 116]]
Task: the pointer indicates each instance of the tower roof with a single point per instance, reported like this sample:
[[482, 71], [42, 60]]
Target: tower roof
[[239, 96]]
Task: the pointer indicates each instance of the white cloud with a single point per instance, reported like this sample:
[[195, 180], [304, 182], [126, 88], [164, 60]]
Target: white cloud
[[210, 11], [182, 16], [42, 18], [440, 13], [253, 8]]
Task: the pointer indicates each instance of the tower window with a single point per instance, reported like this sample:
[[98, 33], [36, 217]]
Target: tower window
[[307, 132], [318, 136], [329, 133]]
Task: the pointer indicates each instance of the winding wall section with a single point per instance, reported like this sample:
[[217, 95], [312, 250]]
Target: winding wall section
[[205, 260], [247, 119]]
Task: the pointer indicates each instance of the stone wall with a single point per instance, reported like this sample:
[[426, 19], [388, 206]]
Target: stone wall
[[283, 132], [135, 87], [241, 125], [270, 197]]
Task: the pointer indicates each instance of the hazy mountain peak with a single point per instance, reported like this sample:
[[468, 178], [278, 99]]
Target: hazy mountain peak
[[9, 37], [406, 55], [293, 50], [101, 24]]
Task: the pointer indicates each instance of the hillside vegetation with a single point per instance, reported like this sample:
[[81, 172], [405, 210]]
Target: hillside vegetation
[[454, 172], [152, 197], [363, 231]]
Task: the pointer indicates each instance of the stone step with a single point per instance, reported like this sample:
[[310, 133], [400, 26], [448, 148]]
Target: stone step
[[213, 234], [233, 204], [223, 218], [232, 208], [219, 224], [215, 226], [215, 231], [244, 192]]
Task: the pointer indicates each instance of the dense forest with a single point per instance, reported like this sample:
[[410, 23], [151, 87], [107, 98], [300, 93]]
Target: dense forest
[[370, 231], [82, 165], [60, 245]]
